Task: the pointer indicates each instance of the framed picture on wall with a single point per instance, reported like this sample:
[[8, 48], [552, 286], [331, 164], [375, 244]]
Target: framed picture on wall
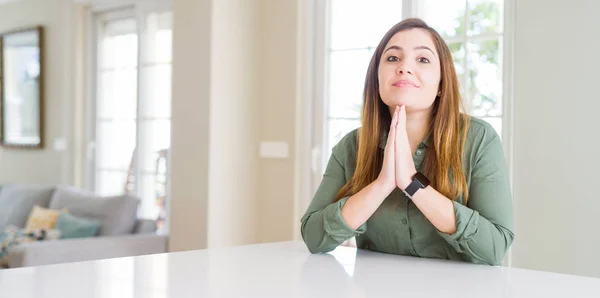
[[21, 88]]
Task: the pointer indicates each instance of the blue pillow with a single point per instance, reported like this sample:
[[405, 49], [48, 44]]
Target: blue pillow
[[71, 226]]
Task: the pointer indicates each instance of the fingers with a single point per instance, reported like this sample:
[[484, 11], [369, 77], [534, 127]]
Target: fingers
[[392, 133], [402, 116], [401, 126]]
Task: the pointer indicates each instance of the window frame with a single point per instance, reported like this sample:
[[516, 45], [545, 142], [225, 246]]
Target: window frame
[[97, 13], [96, 16]]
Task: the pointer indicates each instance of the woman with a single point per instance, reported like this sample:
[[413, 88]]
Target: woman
[[419, 177]]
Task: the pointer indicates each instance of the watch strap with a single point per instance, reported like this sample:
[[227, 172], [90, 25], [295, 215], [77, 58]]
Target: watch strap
[[419, 181], [412, 188]]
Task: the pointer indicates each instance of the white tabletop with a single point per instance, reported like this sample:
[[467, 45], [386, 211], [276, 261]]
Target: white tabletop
[[286, 269]]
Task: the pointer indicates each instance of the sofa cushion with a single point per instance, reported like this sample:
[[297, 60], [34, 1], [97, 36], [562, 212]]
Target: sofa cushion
[[145, 226], [117, 215], [17, 201], [71, 226]]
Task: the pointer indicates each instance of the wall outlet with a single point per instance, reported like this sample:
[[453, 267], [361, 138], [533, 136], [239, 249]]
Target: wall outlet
[[60, 144], [274, 150]]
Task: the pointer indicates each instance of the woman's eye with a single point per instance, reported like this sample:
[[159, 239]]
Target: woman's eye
[[423, 60], [392, 59]]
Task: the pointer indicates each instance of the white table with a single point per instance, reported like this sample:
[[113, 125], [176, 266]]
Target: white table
[[286, 269]]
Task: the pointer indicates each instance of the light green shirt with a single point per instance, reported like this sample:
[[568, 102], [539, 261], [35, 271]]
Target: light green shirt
[[484, 226]]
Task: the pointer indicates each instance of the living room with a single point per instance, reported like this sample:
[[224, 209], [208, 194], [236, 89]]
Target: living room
[[165, 126]]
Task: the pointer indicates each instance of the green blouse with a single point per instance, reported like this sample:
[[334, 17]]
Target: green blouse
[[484, 225]]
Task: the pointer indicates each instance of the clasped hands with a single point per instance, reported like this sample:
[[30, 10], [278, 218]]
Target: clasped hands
[[398, 166]]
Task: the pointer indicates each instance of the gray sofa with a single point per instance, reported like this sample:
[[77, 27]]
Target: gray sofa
[[121, 233]]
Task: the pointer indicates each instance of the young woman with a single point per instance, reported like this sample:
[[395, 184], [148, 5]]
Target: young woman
[[419, 177]]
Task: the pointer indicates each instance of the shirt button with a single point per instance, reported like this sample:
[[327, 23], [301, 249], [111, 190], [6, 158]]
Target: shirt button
[[418, 152], [404, 221]]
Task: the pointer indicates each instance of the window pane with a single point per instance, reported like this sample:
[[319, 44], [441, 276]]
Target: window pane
[[155, 91], [485, 77], [117, 94], [110, 183], [149, 185], [338, 129], [118, 44], [347, 78], [158, 37], [446, 16], [457, 50], [156, 136], [485, 16], [116, 104], [496, 122], [384, 14], [360, 23], [115, 142]]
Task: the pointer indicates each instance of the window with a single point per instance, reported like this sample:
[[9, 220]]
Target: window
[[131, 107], [472, 29], [351, 45]]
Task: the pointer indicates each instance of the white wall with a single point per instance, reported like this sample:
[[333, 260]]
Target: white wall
[[215, 124], [557, 142], [251, 94], [279, 50], [190, 120], [234, 118], [58, 17]]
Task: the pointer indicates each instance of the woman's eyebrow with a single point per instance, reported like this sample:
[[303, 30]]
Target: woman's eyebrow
[[394, 47]]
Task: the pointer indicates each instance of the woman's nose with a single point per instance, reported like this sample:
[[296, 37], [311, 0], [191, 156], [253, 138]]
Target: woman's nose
[[404, 68]]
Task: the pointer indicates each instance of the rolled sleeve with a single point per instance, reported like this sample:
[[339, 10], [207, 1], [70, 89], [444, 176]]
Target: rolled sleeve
[[484, 227], [335, 225], [323, 227], [467, 221]]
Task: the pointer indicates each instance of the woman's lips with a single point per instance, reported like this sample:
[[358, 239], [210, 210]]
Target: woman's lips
[[405, 84]]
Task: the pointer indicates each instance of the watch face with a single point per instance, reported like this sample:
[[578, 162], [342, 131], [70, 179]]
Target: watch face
[[422, 179]]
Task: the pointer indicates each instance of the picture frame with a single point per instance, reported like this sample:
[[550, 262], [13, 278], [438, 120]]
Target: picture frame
[[21, 88]]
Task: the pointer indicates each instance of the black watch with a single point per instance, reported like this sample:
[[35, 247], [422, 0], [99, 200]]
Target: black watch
[[419, 181]]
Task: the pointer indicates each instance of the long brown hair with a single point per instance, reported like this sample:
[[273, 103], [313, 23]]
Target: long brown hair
[[442, 163]]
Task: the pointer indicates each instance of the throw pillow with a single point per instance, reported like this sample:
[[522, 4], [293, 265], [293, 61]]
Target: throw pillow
[[71, 226], [41, 218]]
